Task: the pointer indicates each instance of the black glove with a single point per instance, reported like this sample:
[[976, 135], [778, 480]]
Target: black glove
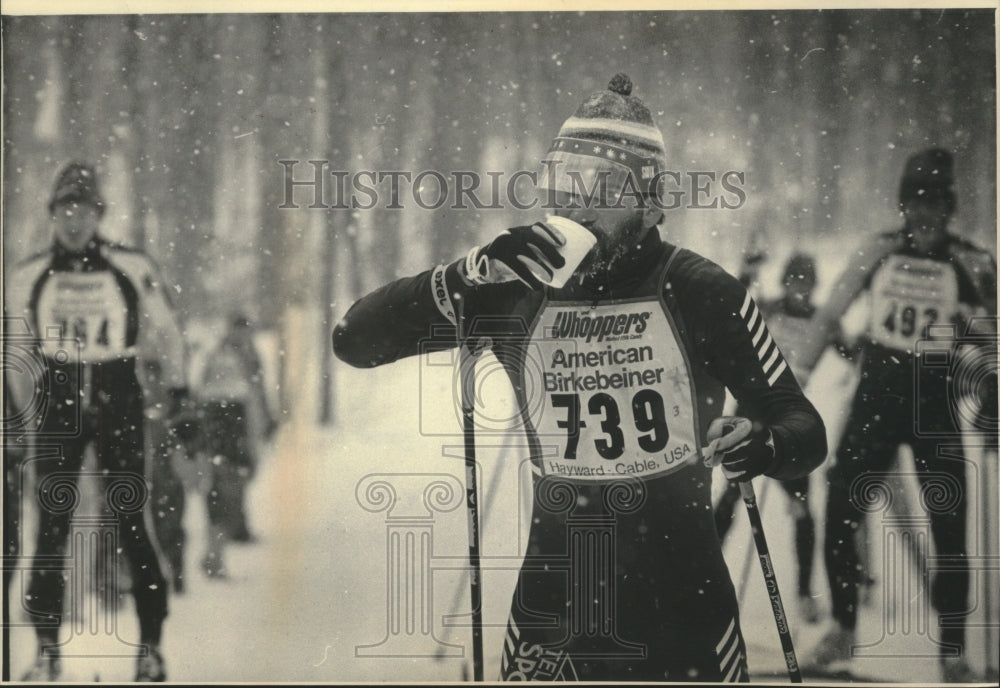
[[517, 253], [182, 418], [744, 449]]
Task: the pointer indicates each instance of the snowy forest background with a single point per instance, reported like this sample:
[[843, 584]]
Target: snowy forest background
[[187, 116]]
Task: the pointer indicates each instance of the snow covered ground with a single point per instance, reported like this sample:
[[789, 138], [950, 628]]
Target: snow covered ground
[[304, 602]]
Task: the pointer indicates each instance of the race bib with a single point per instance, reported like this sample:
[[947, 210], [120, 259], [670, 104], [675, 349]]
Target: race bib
[[618, 398], [88, 308], [909, 295]]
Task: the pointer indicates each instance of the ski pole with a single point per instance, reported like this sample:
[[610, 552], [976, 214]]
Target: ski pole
[[741, 594], [770, 581], [492, 489], [467, 366]]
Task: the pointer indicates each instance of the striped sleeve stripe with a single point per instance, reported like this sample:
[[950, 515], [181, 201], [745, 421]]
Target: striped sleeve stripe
[[746, 305], [776, 374], [725, 637], [765, 347], [772, 362], [731, 660], [729, 655], [509, 647], [757, 328], [732, 671], [773, 365]]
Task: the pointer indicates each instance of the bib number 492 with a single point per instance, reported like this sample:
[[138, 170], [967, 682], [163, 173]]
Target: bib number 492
[[648, 417], [904, 319]]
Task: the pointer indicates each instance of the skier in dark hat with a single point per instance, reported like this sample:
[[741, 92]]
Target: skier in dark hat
[[96, 308], [927, 287]]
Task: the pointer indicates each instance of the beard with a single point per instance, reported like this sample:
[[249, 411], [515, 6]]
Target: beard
[[612, 246]]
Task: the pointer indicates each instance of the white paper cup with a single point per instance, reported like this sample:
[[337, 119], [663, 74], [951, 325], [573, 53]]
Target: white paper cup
[[579, 241]]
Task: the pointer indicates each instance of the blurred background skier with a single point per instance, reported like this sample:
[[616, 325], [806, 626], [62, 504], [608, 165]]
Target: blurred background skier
[[918, 277], [789, 319], [110, 304], [237, 419], [165, 445]]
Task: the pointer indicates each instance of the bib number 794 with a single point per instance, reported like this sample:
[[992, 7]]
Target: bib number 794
[[648, 418], [92, 331]]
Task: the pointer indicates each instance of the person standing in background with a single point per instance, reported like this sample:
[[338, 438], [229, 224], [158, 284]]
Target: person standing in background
[[920, 277], [790, 320], [110, 304], [237, 418]]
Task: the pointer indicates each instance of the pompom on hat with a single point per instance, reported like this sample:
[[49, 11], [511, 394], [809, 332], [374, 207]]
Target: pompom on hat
[[614, 115], [76, 183], [611, 131], [929, 174]]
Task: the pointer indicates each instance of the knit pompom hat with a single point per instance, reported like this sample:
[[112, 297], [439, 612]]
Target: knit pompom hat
[[614, 132], [615, 116]]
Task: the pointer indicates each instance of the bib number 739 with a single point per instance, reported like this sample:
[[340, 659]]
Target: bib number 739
[[648, 418]]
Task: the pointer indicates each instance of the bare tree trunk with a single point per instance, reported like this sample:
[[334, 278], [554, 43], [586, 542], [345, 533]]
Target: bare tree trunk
[[326, 79], [284, 126], [31, 128], [832, 91], [133, 133]]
